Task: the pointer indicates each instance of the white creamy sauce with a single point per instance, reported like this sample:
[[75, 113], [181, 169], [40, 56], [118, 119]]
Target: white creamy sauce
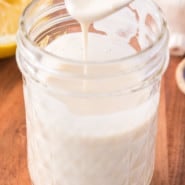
[[89, 141], [92, 10]]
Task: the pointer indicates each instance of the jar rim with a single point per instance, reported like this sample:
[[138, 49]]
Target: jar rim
[[143, 52]]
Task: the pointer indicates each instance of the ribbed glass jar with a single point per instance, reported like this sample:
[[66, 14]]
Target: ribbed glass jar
[[96, 127]]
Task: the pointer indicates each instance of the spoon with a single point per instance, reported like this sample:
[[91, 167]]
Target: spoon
[[92, 10]]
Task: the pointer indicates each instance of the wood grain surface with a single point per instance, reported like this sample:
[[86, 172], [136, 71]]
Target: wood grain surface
[[170, 155]]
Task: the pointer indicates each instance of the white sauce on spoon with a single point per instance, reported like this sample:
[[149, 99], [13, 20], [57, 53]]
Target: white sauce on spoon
[[92, 10]]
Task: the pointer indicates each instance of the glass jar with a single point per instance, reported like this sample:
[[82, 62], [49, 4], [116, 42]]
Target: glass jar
[[92, 122]]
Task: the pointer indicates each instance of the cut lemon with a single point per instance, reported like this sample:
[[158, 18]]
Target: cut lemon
[[10, 11]]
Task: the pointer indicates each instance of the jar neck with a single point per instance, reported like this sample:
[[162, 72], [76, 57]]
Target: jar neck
[[148, 64]]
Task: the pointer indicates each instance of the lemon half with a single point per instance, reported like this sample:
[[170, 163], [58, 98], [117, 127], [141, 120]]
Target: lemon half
[[10, 11]]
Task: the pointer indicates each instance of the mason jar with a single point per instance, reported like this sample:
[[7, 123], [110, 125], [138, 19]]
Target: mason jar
[[92, 121]]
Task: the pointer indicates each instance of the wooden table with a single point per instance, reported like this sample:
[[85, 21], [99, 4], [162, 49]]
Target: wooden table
[[170, 155]]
